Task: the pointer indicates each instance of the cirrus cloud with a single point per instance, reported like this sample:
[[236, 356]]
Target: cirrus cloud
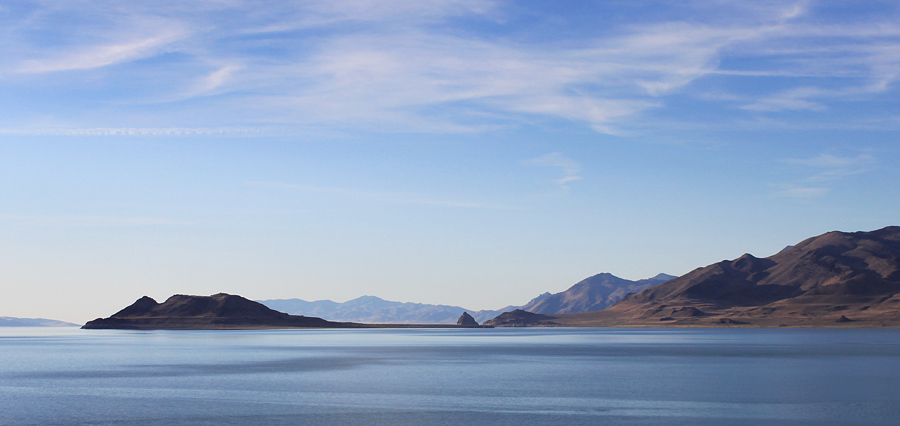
[[399, 66]]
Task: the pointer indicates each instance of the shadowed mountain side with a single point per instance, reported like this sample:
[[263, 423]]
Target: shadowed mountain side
[[592, 294], [836, 279], [33, 322], [371, 309], [205, 312]]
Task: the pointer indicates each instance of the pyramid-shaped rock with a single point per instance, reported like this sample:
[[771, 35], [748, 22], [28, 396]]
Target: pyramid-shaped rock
[[466, 320]]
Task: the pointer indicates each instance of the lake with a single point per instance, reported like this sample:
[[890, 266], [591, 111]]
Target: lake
[[471, 377]]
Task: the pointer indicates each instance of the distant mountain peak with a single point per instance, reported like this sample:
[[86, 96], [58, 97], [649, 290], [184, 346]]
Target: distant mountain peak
[[593, 293], [662, 277], [367, 298]]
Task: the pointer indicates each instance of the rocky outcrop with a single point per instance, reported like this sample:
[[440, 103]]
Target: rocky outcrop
[[466, 320]]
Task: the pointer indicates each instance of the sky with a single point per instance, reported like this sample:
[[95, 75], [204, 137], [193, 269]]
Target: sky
[[466, 152]]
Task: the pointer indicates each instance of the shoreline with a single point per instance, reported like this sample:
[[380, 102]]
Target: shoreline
[[453, 326]]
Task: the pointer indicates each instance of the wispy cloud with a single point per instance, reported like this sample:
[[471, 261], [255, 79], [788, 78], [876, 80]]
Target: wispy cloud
[[794, 99], [99, 56], [825, 169], [410, 76], [569, 167], [405, 66], [93, 36], [830, 167], [845, 62], [802, 192], [214, 81]]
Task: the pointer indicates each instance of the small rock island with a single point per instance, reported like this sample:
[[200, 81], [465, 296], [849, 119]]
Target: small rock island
[[466, 320]]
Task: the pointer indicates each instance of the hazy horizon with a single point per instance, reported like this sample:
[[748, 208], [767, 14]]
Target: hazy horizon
[[473, 153]]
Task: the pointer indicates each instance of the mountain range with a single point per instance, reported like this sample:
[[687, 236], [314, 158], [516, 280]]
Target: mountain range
[[593, 293], [33, 322], [834, 279], [371, 309]]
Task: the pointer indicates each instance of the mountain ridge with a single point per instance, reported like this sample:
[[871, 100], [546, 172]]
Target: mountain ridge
[[834, 279], [373, 309], [593, 293]]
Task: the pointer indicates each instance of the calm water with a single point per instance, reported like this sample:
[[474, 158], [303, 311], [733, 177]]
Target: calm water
[[450, 377]]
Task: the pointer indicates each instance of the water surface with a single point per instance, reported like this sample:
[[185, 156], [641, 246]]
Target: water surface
[[450, 377]]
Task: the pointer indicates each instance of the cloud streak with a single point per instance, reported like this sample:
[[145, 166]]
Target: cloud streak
[[100, 56], [827, 168], [569, 167], [803, 192], [832, 167]]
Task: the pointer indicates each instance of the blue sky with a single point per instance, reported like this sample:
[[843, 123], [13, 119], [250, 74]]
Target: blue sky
[[463, 152]]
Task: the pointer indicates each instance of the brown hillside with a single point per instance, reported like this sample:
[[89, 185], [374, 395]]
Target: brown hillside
[[835, 279]]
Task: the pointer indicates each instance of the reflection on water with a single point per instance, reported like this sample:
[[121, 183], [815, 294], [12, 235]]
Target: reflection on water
[[450, 377]]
